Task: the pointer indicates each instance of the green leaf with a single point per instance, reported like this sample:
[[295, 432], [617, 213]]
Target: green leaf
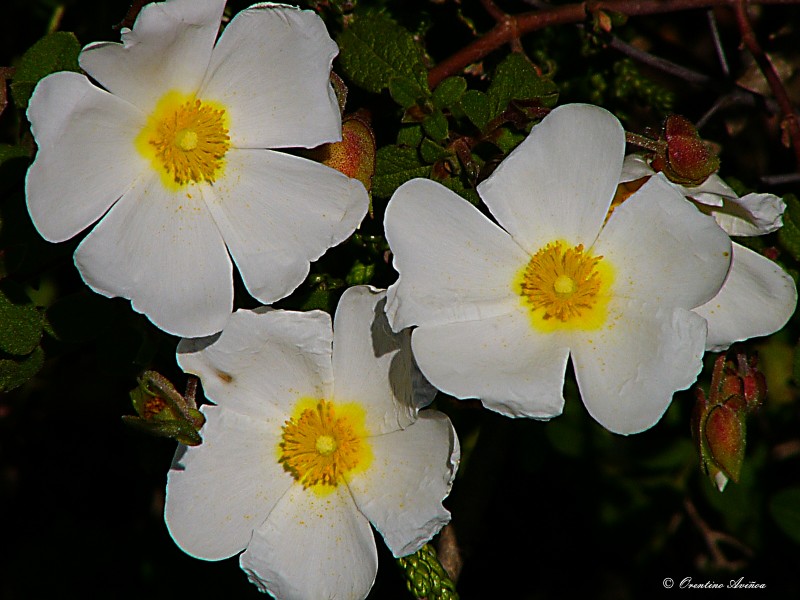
[[20, 321], [516, 79], [506, 139], [410, 135], [376, 53], [449, 92], [7, 152], [475, 106], [405, 91], [54, 52], [785, 509], [394, 165], [431, 151], [789, 234], [16, 371], [436, 126]]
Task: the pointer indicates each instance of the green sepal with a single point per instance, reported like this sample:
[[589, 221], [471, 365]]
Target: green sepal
[[163, 411], [54, 52], [179, 430]]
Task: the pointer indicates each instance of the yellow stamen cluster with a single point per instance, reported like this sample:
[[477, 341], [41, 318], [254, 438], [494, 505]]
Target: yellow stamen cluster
[[186, 139], [318, 447], [561, 281]]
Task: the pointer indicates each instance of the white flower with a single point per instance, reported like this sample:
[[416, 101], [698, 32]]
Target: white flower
[[498, 311], [752, 214], [758, 297], [173, 155], [315, 435]]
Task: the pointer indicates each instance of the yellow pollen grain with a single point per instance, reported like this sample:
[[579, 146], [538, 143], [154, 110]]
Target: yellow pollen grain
[[185, 140], [565, 288], [323, 442]]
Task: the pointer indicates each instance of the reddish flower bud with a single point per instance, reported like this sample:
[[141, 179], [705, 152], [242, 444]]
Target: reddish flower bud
[[687, 159], [725, 435], [754, 382], [355, 154]]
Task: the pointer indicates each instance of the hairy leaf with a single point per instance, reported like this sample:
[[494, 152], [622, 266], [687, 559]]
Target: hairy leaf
[[395, 166], [54, 52]]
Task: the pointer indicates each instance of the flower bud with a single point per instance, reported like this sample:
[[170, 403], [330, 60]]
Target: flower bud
[[725, 436], [718, 421], [355, 154], [687, 159]]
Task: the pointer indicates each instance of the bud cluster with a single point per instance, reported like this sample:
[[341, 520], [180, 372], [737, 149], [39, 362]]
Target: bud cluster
[[718, 421]]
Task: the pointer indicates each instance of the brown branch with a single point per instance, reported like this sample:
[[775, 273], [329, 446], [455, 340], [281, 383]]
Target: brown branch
[[713, 539], [789, 123], [512, 27]]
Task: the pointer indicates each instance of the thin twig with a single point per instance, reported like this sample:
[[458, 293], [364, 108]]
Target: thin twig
[[790, 122], [713, 539], [712, 25], [515, 26]]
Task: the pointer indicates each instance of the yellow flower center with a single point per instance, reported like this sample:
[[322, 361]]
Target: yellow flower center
[[185, 139], [323, 443], [565, 288]]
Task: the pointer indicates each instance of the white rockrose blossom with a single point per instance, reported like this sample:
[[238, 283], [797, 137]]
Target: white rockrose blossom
[[758, 297], [499, 310], [171, 145], [749, 215], [316, 433]]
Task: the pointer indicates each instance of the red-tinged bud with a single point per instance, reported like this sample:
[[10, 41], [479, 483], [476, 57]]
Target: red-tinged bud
[[725, 436], [355, 154], [687, 159], [754, 382]]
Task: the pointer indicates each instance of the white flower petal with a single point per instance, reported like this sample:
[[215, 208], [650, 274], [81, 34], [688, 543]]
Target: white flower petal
[[635, 167], [663, 249], [559, 182], [278, 212], [411, 473], [752, 214], [454, 263], [163, 251], [757, 299], [627, 373], [271, 69], [86, 158], [501, 360], [263, 362], [372, 365], [168, 49], [714, 185], [313, 547], [223, 489]]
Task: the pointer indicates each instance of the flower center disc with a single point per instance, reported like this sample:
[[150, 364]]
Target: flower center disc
[[319, 447], [185, 139], [565, 287]]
